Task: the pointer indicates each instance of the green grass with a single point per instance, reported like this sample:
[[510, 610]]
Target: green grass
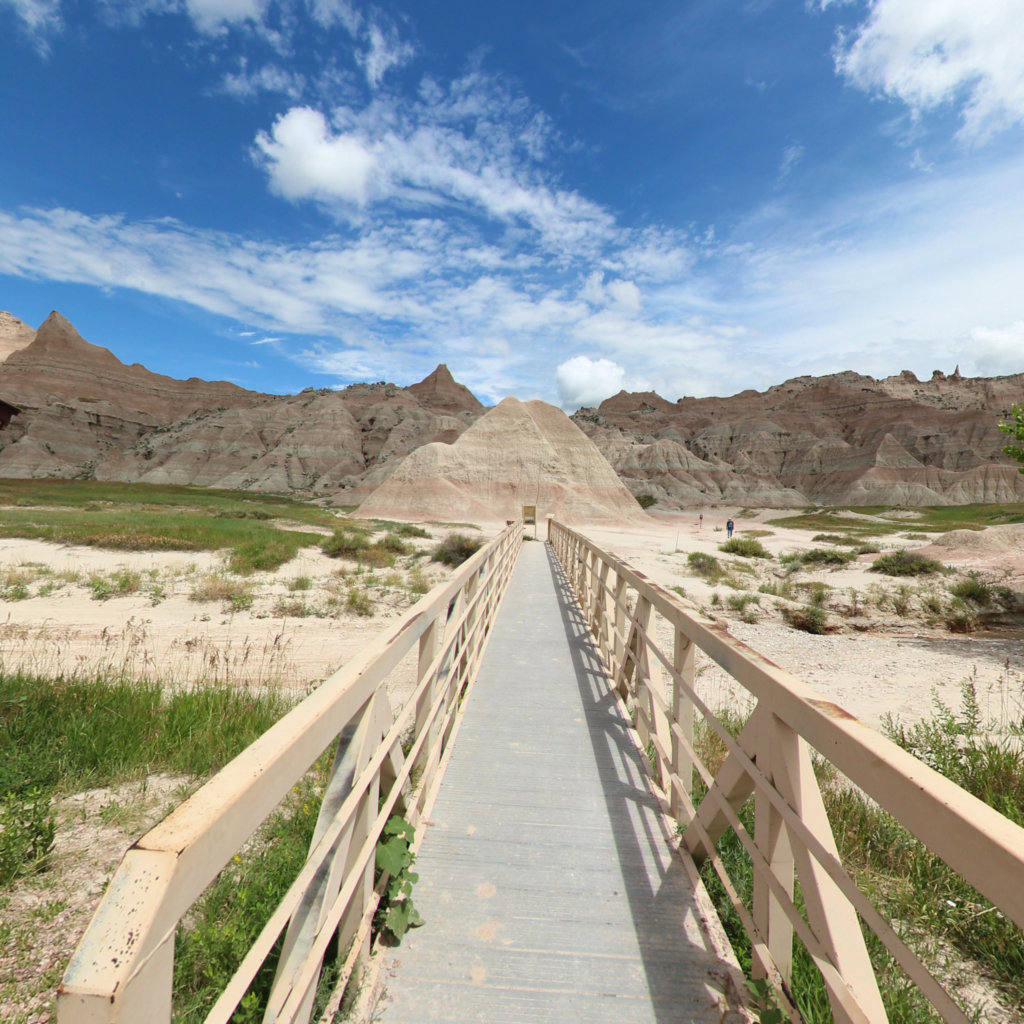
[[905, 563], [456, 548], [745, 547], [909, 885], [818, 556], [71, 735], [931, 519], [140, 517]]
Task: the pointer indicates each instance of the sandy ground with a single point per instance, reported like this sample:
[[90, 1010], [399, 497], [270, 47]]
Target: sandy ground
[[874, 662]]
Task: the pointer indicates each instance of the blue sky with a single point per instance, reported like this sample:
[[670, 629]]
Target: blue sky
[[558, 200]]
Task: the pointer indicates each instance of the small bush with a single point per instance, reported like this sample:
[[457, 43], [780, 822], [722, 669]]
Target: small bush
[[300, 583], [345, 544], [809, 618], [974, 590], [823, 556], [455, 549], [27, 831], [906, 563], [738, 602], [704, 565], [359, 602], [646, 500], [408, 530], [901, 600], [235, 593], [745, 547]]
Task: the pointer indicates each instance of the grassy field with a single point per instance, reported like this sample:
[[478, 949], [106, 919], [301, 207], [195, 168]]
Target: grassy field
[[890, 520], [260, 531]]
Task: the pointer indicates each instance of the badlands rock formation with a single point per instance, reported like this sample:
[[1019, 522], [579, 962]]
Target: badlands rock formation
[[71, 409], [841, 439], [519, 453]]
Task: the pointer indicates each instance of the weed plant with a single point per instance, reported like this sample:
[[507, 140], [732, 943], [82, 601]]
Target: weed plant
[[705, 565], [819, 556], [68, 735], [906, 563], [745, 547], [456, 548], [935, 910], [809, 618]]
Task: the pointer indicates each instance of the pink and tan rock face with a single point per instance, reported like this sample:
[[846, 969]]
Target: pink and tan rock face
[[841, 439], [519, 453], [69, 408], [72, 409], [14, 334]]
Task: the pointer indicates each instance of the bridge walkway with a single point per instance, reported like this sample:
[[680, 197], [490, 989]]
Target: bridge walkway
[[548, 883]]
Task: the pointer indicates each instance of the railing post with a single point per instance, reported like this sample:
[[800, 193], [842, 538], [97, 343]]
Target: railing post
[[683, 662], [145, 996], [777, 747]]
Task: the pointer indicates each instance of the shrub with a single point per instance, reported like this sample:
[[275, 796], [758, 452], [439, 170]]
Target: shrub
[[905, 563], [300, 583], [974, 590], [27, 831], [704, 565], [646, 500], [455, 549], [745, 547], [823, 556], [408, 530], [359, 602], [393, 543], [961, 617], [738, 602], [345, 544], [809, 618]]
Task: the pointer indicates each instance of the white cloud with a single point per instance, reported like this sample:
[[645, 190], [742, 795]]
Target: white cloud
[[996, 351], [247, 83], [304, 160], [966, 52], [585, 381], [791, 156], [385, 50], [210, 16], [473, 145], [40, 18]]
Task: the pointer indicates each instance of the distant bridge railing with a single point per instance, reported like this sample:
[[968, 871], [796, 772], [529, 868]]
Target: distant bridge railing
[[770, 760], [122, 970]]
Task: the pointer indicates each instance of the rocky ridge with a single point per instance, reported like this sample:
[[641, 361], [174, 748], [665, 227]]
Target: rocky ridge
[[841, 439], [70, 409]]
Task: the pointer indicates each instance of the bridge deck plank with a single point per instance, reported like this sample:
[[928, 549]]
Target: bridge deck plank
[[547, 882]]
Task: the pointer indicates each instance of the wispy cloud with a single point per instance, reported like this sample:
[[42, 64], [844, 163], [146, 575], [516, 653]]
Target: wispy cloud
[[927, 55]]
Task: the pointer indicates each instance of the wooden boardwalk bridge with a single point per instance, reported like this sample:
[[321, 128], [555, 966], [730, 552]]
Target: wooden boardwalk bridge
[[546, 757]]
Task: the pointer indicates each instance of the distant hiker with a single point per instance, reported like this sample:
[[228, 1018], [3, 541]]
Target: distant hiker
[[728, 527], [700, 520]]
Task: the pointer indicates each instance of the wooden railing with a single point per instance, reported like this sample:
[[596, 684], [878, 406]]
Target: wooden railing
[[123, 968], [770, 760]]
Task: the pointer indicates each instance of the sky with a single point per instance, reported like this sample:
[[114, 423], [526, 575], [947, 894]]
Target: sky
[[558, 200]]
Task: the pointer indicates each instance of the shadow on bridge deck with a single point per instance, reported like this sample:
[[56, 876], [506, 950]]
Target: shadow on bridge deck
[[548, 882]]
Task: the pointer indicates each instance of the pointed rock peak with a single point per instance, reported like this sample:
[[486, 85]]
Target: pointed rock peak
[[58, 335], [440, 390]]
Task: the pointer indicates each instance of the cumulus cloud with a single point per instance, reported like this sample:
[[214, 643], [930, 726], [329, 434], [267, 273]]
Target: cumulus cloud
[[304, 159], [585, 381], [962, 52], [473, 145]]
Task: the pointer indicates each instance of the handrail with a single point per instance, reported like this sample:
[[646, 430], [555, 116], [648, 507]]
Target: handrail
[[122, 970], [770, 760]]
